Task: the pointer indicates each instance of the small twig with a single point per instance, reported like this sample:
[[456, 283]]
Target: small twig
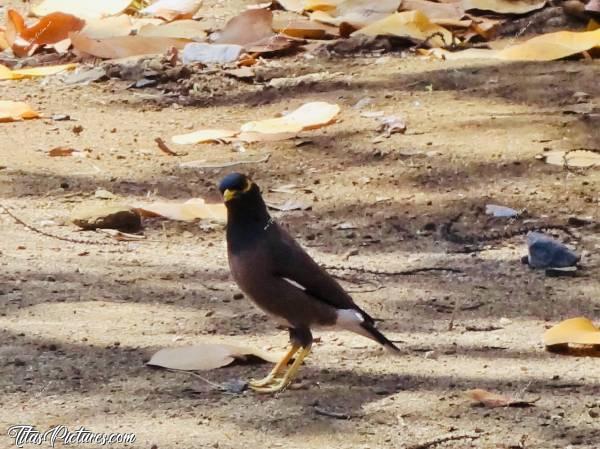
[[202, 164], [336, 415], [194, 374], [445, 439], [164, 147], [46, 234], [393, 273]]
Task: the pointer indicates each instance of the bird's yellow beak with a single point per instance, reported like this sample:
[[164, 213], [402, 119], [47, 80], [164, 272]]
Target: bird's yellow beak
[[229, 194]]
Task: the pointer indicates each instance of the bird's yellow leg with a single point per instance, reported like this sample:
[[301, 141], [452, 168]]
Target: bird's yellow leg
[[282, 383], [279, 368]]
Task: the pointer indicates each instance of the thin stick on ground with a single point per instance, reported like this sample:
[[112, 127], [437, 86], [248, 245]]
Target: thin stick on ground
[[445, 439]]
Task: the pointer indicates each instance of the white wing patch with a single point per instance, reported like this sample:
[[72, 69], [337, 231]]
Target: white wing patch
[[294, 283]]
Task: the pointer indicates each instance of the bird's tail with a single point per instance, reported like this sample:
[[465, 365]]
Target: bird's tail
[[374, 334]]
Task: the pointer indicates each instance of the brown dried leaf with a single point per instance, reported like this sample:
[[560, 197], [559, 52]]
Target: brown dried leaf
[[494, 400], [124, 46], [61, 151], [206, 356], [247, 28], [50, 29], [183, 29]]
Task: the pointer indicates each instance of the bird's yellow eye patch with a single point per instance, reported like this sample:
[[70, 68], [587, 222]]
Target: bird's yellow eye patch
[[232, 193], [228, 194]]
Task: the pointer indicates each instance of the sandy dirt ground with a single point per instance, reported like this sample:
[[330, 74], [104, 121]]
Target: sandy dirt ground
[[78, 321]]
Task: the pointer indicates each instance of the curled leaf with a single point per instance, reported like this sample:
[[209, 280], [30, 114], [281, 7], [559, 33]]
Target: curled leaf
[[308, 116], [204, 135], [124, 46], [578, 331], [504, 6], [409, 24], [85, 9], [493, 400], [195, 208], [33, 72], [11, 111], [206, 356], [173, 9]]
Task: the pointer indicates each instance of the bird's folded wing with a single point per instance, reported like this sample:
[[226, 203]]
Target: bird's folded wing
[[292, 262]]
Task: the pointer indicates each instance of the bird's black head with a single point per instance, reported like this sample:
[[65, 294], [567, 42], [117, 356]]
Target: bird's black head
[[236, 185]]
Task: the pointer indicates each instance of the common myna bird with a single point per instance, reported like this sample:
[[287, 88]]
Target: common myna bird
[[284, 281]]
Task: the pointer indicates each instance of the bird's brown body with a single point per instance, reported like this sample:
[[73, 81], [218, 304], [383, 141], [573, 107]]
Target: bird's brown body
[[283, 280]]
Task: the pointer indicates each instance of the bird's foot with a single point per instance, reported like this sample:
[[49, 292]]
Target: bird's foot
[[273, 385], [258, 383]]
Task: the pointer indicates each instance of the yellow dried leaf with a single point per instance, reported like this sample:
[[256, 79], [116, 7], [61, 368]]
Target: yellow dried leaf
[[504, 6], [308, 116], [321, 5], [204, 135], [33, 72], [84, 9], [580, 331], [551, 46], [195, 208], [547, 47], [409, 24], [11, 111]]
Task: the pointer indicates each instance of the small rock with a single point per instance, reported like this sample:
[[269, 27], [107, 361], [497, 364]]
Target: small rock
[[102, 216], [104, 194], [545, 252]]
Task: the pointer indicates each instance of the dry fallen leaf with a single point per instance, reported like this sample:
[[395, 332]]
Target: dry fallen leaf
[[204, 135], [124, 46], [303, 28], [250, 26], [575, 158], [33, 72], [578, 331], [409, 24], [173, 9], [253, 30], [206, 357], [434, 10], [195, 208], [308, 116], [292, 5], [62, 151], [184, 29], [120, 25], [504, 6], [357, 13], [11, 111], [50, 29], [494, 400], [546, 47], [85, 9]]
